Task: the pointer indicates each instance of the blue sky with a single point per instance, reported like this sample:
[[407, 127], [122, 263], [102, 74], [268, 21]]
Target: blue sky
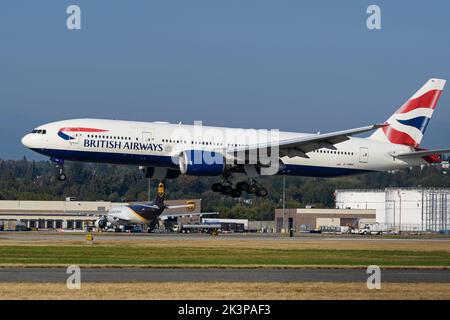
[[293, 65]]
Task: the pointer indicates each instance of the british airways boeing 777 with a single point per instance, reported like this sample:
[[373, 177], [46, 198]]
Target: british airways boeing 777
[[238, 156]]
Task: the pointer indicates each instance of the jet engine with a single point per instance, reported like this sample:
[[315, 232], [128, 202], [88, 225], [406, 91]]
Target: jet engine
[[201, 163], [101, 223]]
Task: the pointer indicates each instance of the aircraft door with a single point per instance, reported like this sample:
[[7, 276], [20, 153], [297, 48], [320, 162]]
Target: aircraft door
[[363, 155], [146, 137], [75, 142]]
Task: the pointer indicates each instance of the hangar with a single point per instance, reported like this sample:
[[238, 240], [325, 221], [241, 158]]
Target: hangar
[[304, 219], [70, 215], [402, 209]]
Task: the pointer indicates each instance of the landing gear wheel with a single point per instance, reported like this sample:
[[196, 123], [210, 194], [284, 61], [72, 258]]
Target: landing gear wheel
[[252, 188], [235, 193], [217, 187], [242, 186], [62, 177], [261, 192], [226, 190]]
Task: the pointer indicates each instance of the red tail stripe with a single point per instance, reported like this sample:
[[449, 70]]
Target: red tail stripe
[[399, 137], [82, 130], [427, 100], [434, 158]]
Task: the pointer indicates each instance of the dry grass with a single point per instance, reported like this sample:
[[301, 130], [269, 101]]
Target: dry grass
[[225, 290]]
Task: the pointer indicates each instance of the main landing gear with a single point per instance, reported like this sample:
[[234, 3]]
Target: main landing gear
[[227, 188], [60, 167]]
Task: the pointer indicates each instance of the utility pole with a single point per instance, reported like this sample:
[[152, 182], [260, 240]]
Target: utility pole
[[284, 202], [149, 189], [400, 212]]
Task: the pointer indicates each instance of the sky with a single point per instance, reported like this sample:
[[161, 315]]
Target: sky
[[292, 65]]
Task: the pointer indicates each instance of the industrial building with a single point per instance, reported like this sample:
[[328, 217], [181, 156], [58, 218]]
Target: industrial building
[[304, 219], [402, 209], [71, 215]]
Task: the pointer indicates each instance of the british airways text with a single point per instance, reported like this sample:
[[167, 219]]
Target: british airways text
[[106, 144]]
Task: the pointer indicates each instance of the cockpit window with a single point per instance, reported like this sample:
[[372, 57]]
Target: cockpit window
[[39, 131]]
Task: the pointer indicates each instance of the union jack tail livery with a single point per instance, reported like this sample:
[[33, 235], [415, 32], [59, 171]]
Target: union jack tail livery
[[408, 124]]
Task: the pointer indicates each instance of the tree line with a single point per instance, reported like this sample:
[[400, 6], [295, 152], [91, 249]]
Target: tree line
[[37, 180]]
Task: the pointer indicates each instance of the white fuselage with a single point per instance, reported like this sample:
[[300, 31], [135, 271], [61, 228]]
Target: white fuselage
[[155, 144]]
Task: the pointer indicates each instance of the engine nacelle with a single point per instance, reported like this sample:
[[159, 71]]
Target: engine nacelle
[[160, 173], [101, 223], [201, 163]]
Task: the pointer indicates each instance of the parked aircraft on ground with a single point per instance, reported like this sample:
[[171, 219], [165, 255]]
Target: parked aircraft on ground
[[146, 213]]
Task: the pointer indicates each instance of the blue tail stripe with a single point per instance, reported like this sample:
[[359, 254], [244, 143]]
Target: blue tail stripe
[[420, 123]]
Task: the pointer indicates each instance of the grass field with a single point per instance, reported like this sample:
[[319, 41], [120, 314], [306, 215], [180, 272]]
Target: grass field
[[221, 255], [224, 252], [222, 290]]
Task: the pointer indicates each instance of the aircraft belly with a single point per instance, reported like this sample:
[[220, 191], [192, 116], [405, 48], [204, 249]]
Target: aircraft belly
[[110, 157]]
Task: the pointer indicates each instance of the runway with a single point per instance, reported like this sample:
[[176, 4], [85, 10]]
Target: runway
[[57, 275], [100, 237]]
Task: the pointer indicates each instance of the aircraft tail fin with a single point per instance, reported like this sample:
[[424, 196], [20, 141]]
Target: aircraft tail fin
[[408, 124], [160, 194]]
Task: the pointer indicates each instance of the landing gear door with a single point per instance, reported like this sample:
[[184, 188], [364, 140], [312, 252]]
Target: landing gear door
[[363, 155]]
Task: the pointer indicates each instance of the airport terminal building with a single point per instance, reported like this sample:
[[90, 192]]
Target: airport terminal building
[[70, 215]]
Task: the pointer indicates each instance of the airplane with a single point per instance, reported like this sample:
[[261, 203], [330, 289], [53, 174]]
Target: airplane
[[147, 213], [166, 151]]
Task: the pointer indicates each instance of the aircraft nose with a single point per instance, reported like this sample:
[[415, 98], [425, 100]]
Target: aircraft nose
[[26, 141]]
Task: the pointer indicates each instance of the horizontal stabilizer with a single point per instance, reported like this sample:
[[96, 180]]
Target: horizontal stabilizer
[[420, 154], [181, 206]]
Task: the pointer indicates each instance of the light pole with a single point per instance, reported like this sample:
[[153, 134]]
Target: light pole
[[400, 212], [284, 202]]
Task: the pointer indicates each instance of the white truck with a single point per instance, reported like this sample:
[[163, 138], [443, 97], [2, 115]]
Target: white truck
[[373, 229]]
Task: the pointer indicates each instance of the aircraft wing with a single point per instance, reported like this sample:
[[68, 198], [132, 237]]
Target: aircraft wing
[[300, 146], [165, 216], [419, 154], [180, 206]]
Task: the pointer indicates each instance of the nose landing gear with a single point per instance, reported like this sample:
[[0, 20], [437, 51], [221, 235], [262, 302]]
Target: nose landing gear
[[60, 167]]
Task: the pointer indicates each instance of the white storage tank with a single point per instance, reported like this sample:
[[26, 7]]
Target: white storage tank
[[362, 199], [404, 209]]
